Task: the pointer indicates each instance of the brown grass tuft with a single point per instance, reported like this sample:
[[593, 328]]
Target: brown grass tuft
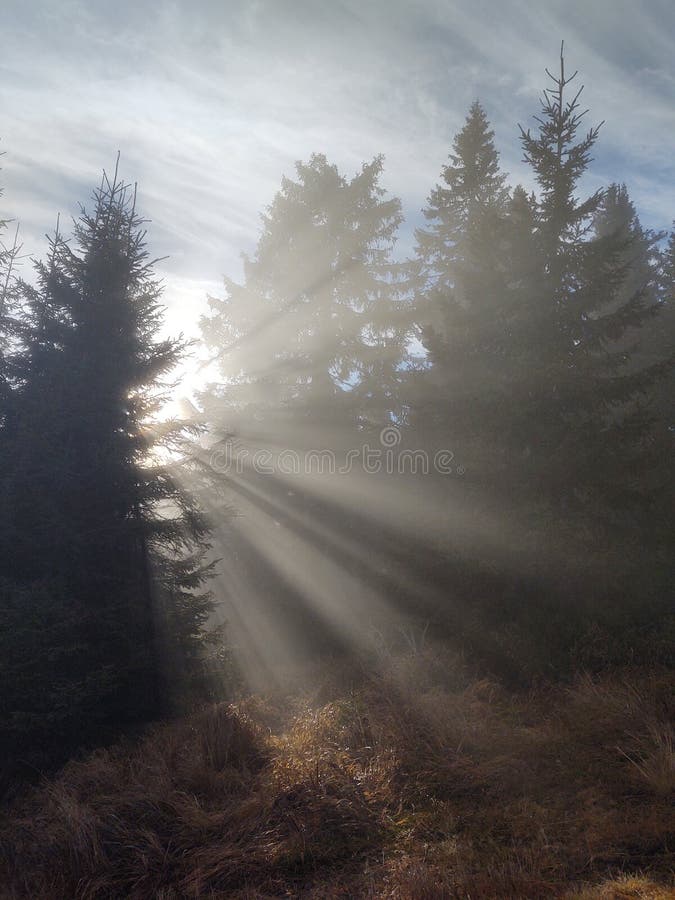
[[652, 755], [412, 784]]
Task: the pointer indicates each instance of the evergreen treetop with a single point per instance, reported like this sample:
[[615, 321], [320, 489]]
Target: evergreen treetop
[[315, 317]]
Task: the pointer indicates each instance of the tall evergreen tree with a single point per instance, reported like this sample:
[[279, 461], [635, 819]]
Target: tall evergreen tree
[[653, 346], [578, 427], [661, 340], [94, 507], [462, 213], [315, 321], [528, 378], [311, 347], [592, 289], [459, 291]]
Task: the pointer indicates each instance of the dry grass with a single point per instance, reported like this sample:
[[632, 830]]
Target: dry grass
[[415, 784]]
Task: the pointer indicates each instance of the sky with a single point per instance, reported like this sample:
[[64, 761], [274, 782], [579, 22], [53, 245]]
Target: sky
[[211, 103]]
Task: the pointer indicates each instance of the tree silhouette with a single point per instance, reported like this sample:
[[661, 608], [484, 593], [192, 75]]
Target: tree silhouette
[[94, 508]]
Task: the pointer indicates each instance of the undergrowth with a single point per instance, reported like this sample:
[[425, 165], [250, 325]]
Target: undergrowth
[[412, 783]]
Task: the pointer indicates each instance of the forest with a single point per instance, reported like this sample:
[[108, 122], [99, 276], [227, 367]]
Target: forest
[[386, 609]]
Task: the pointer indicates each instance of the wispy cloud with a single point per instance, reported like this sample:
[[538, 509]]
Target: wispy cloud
[[211, 103]]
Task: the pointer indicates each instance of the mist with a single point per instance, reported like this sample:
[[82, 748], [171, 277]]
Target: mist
[[336, 439]]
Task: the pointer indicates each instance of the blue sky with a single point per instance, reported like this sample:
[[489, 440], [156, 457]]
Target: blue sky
[[210, 103]]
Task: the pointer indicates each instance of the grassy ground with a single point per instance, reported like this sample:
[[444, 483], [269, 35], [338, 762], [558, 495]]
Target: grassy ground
[[412, 782]]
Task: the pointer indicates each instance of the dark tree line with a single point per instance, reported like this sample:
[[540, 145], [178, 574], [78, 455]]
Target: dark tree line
[[529, 340], [546, 326]]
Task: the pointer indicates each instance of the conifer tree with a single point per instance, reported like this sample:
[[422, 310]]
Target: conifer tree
[[532, 379], [315, 323], [310, 346], [459, 305], [456, 252], [95, 509], [653, 346], [661, 339], [577, 422], [593, 287]]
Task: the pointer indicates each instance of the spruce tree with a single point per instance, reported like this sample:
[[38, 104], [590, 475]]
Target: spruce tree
[[579, 429], [310, 347], [315, 321], [653, 346], [103, 541], [459, 294], [532, 381], [593, 288], [660, 340]]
